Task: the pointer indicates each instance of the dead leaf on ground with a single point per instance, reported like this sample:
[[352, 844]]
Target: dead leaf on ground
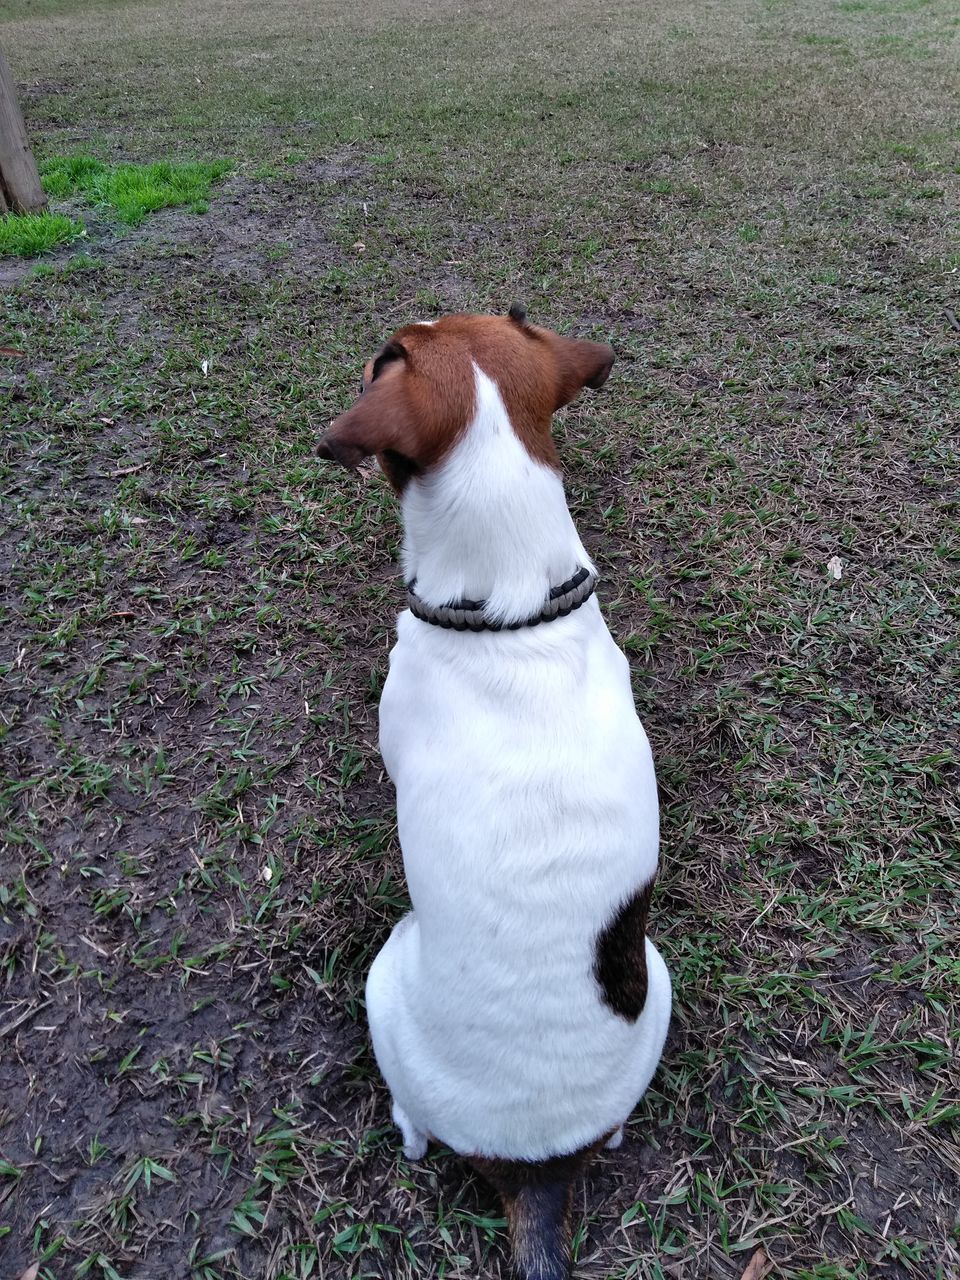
[[758, 1267], [31, 1272]]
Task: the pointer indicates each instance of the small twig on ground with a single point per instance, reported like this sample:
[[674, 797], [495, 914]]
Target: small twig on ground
[[24, 1017], [95, 945], [124, 471]]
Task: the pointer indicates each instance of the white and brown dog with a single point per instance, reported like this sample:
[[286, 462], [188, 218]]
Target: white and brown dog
[[519, 1011]]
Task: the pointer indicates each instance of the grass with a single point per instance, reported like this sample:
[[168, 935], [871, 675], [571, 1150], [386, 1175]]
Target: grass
[[132, 190], [28, 235], [199, 849]]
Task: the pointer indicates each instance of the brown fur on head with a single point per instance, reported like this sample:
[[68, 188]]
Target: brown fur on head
[[419, 390]]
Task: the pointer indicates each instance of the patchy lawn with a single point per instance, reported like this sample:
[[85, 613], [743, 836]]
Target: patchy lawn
[[754, 202]]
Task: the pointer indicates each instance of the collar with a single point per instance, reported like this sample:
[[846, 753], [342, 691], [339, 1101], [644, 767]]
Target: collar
[[467, 615]]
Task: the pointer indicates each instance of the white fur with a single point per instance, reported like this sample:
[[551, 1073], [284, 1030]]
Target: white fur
[[527, 812], [490, 523]]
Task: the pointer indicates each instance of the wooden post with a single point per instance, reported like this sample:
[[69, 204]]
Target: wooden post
[[20, 188]]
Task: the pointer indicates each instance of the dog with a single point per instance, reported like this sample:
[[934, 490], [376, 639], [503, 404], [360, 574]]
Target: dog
[[519, 1011]]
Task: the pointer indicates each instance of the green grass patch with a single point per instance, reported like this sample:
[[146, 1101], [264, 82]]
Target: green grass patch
[[26, 235], [132, 190]]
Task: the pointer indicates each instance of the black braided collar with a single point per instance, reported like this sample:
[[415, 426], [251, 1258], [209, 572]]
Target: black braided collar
[[467, 615]]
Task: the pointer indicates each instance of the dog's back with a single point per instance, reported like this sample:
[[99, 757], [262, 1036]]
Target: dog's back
[[528, 818]]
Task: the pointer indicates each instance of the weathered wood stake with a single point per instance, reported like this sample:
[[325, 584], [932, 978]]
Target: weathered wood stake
[[20, 189]]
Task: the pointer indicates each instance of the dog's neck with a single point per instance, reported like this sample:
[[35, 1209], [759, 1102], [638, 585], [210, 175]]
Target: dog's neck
[[489, 523]]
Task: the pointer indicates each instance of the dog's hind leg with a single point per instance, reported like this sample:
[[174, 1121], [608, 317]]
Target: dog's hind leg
[[385, 1011]]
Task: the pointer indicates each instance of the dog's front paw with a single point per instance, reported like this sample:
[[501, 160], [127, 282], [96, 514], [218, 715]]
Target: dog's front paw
[[414, 1142], [615, 1139], [417, 1148]]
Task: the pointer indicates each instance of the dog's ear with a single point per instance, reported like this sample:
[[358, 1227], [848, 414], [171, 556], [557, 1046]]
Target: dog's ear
[[580, 364], [388, 354], [379, 420]]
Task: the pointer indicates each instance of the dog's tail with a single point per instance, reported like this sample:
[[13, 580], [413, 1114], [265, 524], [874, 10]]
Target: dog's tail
[[538, 1221], [538, 1199]]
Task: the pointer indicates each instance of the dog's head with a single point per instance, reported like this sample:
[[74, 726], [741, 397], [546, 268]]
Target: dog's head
[[419, 390]]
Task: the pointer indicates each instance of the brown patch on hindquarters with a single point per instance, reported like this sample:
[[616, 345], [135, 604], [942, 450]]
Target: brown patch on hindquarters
[[620, 964], [537, 1198], [419, 390]]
